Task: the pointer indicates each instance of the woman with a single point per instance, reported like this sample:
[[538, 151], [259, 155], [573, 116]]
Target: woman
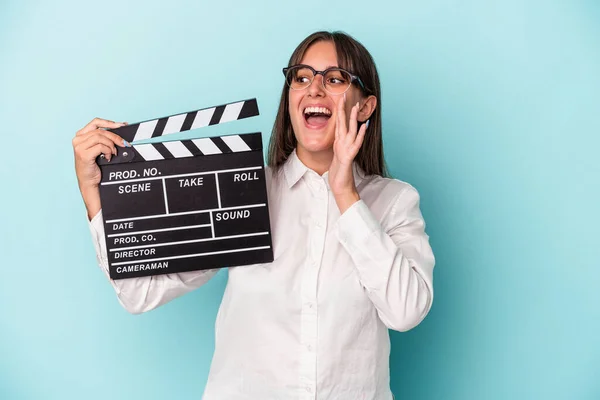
[[352, 258]]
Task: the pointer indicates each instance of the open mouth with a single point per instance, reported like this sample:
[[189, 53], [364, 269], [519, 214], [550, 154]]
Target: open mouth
[[316, 117]]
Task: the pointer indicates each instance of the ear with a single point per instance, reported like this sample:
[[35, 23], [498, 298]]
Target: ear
[[367, 108]]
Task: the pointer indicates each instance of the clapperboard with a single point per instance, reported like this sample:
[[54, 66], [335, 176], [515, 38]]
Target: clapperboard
[[185, 205]]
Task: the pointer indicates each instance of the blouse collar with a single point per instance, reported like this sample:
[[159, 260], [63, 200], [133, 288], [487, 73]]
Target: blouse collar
[[294, 169]]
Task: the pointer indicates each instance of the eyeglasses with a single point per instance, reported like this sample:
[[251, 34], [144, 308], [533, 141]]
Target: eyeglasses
[[335, 80]]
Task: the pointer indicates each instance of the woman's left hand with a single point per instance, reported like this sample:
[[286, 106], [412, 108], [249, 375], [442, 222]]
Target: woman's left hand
[[345, 148]]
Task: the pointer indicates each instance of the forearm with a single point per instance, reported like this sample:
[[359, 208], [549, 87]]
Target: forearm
[[91, 199], [346, 199], [394, 267], [393, 282], [138, 295]]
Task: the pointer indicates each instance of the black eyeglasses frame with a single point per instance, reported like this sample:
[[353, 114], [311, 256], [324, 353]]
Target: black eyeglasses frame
[[353, 78]]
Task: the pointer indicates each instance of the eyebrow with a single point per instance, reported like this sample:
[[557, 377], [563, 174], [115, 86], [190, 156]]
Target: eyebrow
[[327, 67]]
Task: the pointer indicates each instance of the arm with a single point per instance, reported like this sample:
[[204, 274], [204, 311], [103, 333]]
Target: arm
[[395, 266], [138, 295]]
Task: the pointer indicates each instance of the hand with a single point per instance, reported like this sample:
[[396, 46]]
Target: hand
[[89, 143], [345, 148]]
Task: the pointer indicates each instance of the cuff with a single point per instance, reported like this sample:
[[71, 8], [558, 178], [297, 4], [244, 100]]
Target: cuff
[[96, 226], [356, 224]]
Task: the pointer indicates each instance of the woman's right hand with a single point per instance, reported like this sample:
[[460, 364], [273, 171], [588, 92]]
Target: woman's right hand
[[88, 144]]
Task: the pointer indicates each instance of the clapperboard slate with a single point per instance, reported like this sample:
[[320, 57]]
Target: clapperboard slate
[[189, 204]]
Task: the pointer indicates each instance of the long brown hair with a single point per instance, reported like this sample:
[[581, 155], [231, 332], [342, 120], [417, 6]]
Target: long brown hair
[[354, 57]]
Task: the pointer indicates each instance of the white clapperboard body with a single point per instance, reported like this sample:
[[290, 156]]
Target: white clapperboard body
[[189, 204]]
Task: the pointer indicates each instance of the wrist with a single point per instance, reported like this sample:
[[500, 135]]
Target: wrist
[[88, 191], [345, 200], [91, 199]]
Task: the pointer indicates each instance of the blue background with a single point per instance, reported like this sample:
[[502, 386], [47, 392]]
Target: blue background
[[490, 109]]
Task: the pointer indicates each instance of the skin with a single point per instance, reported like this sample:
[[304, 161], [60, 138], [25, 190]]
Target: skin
[[88, 143], [333, 147]]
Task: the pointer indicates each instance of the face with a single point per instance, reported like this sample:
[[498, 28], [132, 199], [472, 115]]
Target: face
[[315, 135]]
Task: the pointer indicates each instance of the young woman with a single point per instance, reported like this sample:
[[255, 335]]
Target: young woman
[[352, 258]]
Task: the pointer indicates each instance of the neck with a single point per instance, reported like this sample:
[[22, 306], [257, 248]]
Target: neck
[[317, 161]]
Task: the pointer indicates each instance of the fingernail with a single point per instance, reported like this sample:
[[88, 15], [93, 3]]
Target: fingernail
[[344, 96], [357, 104], [126, 143], [368, 123]]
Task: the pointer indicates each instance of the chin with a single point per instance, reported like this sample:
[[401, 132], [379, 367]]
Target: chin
[[316, 147], [315, 140], [315, 143]]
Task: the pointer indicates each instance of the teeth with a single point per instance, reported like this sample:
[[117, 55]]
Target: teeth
[[315, 110]]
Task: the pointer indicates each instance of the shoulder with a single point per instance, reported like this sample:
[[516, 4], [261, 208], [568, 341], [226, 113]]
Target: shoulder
[[274, 179], [269, 171], [389, 198], [390, 188], [272, 173]]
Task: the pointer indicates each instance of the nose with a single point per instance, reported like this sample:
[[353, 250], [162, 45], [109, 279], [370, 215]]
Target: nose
[[316, 87]]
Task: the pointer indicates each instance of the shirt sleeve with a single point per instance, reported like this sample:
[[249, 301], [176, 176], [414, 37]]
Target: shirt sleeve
[[395, 265], [138, 295]]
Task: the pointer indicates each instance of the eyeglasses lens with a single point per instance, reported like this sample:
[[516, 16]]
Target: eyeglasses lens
[[336, 81]]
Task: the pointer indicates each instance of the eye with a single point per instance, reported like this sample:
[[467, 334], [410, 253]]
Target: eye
[[336, 81], [302, 79], [302, 75], [336, 78]]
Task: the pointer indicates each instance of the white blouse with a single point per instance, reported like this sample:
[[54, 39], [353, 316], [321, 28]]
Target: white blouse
[[313, 324]]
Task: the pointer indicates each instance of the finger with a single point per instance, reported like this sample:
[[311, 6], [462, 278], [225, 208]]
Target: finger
[[360, 137], [341, 117], [94, 151], [78, 140], [100, 123], [337, 129], [96, 139], [353, 122], [118, 140]]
